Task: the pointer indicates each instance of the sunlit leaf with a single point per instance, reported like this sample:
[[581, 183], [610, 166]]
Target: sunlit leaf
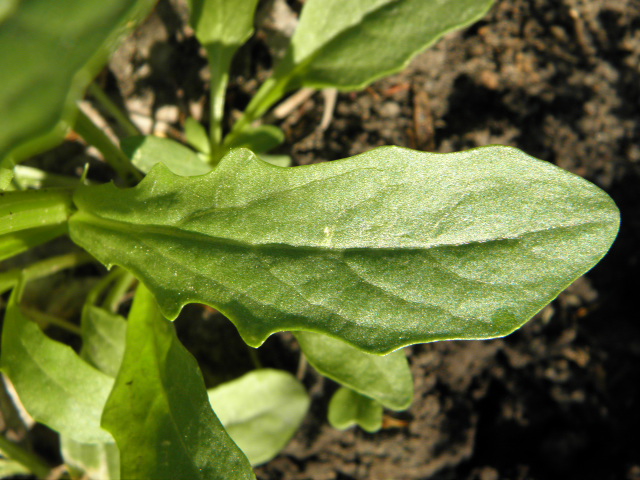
[[146, 151], [49, 52], [348, 45], [386, 379], [259, 139], [261, 411], [348, 408], [55, 385], [159, 412], [385, 249], [88, 461]]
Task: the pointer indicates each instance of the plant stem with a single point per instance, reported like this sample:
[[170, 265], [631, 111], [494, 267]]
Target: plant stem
[[219, 65], [112, 154], [43, 268], [269, 93], [44, 320], [109, 105], [35, 464], [119, 288]]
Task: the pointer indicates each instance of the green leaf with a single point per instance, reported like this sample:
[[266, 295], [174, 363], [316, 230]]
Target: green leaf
[[197, 136], [55, 385], [146, 151], [348, 408], [278, 160], [221, 27], [103, 338], [159, 412], [66, 43], [259, 139], [386, 379], [386, 249], [89, 461], [261, 411], [348, 45]]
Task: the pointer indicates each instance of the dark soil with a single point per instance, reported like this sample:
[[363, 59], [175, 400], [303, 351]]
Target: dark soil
[[559, 79]]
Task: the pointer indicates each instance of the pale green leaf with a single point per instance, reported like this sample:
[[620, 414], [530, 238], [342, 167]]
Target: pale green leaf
[[277, 160], [261, 411], [386, 379], [49, 52], [9, 468], [259, 139], [348, 408], [103, 338], [159, 412], [222, 22], [383, 250], [197, 135], [55, 385], [88, 461], [146, 151]]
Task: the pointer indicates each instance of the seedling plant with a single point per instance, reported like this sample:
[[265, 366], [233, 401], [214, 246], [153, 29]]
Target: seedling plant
[[357, 257]]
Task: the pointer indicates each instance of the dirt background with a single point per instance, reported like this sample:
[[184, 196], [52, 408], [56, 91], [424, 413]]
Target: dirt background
[[559, 79]]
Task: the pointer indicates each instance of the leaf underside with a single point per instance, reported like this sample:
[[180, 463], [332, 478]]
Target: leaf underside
[[348, 408], [385, 249]]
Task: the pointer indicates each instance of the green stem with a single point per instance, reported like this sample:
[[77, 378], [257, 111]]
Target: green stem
[[219, 65], [33, 209], [109, 105], [112, 154], [43, 268], [121, 284], [35, 464], [45, 320], [269, 93], [103, 284]]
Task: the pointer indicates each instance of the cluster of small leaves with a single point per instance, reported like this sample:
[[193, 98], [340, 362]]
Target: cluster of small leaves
[[358, 257]]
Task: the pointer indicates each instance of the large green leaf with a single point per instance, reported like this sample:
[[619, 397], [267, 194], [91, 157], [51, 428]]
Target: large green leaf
[[385, 249], [261, 428], [387, 379], [348, 408], [159, 412], [349, 44], [49, 52], [55, 385]]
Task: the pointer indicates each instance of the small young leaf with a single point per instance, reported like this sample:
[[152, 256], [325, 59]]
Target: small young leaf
[[103, 337], [259, 139], [197, 136], [146, 151], [348, 408], [385, 249], [62, 46], [222, 22], [277, 160], [361, 42], [386, 379], [261, 428], [55, 385], [159, 412], [91, 461]]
